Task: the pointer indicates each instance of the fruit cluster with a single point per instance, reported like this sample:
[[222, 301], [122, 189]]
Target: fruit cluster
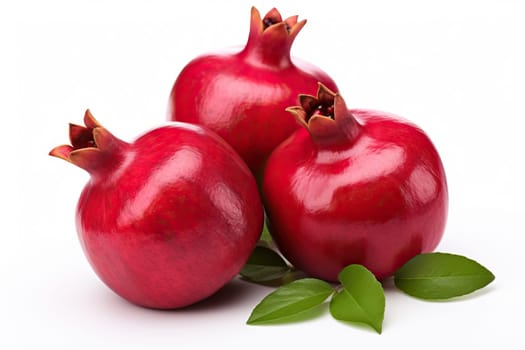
[[170, 218]]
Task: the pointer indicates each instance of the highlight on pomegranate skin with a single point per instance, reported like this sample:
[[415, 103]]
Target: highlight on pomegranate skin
[[167, 220], [353, 186], [243, 95]]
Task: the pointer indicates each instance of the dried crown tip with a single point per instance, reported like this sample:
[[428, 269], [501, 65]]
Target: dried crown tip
[[294, 109], [103, 139], [61, 152], [299, 114], [291, 22], [256, 16], [324, 91], [274, 15], [90, 121], [292, 19]]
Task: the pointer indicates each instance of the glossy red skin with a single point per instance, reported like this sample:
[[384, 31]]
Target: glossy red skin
[[377, 202], [244, 103], [170, 218]]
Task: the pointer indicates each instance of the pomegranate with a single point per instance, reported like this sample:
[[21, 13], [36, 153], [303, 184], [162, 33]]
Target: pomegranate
[[243, 95], [167, 220], [353, 187]]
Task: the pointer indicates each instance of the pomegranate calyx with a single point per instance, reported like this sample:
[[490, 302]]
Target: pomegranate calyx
[[273, 21], [271, 38], [272, 17], [89, 143], [326, 116]]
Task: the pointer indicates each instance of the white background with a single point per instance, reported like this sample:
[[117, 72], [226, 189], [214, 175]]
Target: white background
[[453, 67]]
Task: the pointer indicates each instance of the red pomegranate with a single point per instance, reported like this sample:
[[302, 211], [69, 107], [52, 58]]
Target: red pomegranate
[[353, 187], [243, 95], [167, 220]]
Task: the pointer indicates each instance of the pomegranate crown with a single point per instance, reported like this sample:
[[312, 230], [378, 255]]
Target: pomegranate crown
[[89, 144], [326, 116], [273, 24], [271, 37]]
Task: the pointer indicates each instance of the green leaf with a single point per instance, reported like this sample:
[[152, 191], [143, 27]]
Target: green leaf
[[264, 265], [265, 235], [362, 298], [290, 299], [441, 276]]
